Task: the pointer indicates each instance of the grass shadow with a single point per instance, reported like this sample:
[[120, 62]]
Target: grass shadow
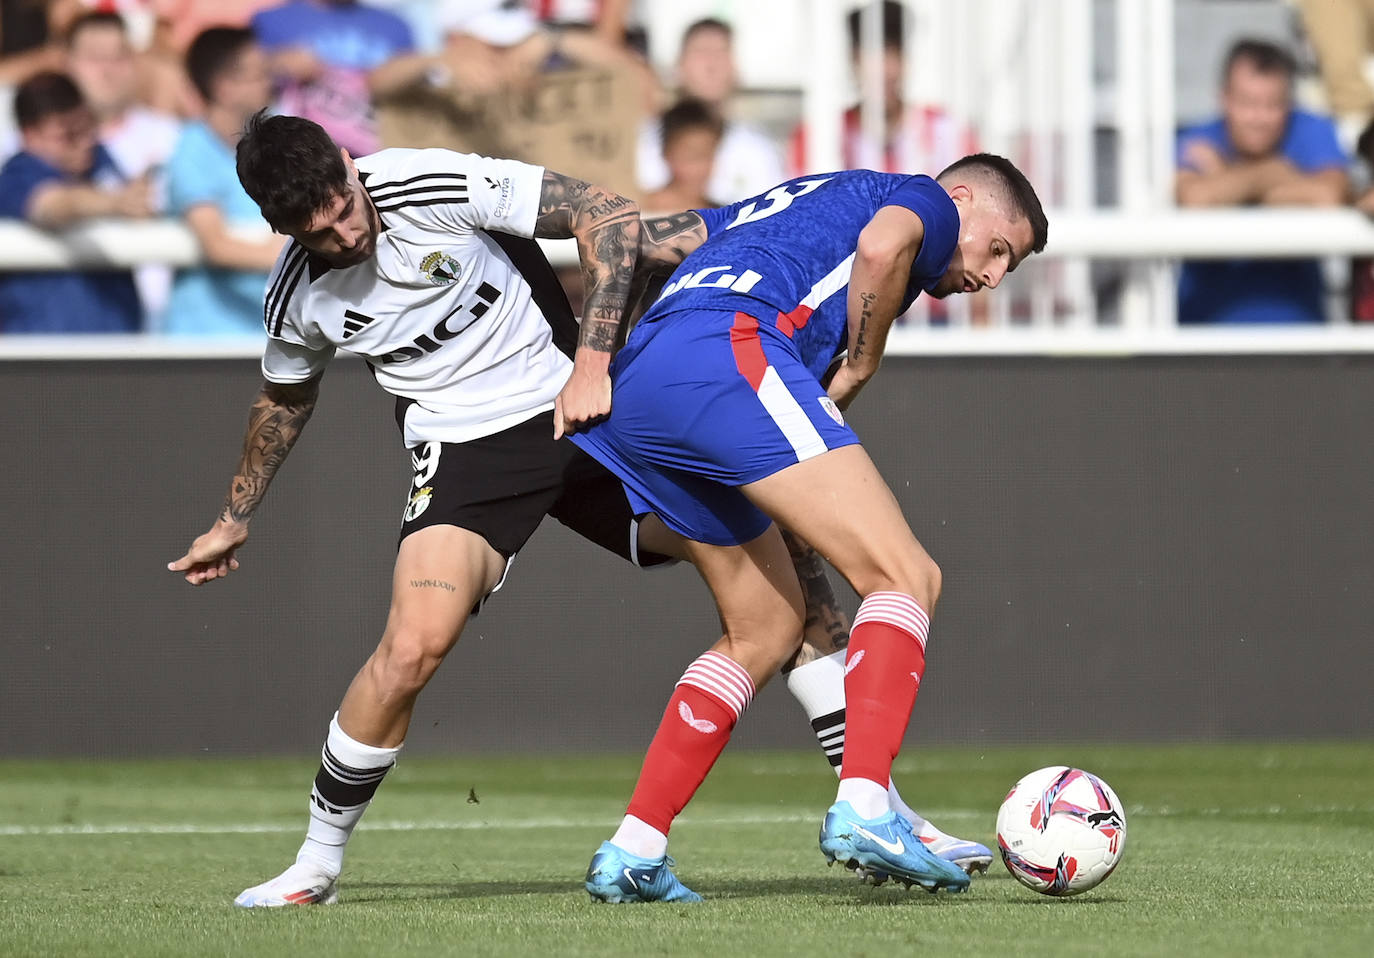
[[842, 892], [1077, 901]]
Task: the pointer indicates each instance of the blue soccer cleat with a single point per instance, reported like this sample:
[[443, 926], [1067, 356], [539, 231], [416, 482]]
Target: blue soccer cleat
[[972, 857], [886, 845], [618, 877]]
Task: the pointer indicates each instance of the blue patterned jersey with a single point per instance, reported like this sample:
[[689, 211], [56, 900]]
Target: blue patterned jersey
[[784, 257]]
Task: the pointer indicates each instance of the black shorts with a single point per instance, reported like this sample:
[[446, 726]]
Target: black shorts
[[501, 487]]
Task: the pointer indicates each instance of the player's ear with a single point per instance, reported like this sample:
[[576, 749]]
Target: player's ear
[[348, 163], [961, 193]]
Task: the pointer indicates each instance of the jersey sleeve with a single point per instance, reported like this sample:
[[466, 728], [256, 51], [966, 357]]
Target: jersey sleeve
[[716, 218], [295, 352], [462, 192], [939, 218], [287, 362]]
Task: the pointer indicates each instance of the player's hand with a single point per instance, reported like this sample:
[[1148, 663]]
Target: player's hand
[[844, 385], [584, 401], [212, 555]]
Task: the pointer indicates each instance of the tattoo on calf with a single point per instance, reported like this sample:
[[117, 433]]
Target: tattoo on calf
[[827, 626]]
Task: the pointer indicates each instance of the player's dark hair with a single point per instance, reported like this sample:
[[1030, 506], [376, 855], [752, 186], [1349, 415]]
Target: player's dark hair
[[213, 53], [1263, 56], [703, 25], [688, 114], [894, 26], [290, 167], [1019, 193], [95, 18], [43, 95]]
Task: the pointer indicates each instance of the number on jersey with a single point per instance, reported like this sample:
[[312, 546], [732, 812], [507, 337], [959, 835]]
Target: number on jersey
[[775, 201]]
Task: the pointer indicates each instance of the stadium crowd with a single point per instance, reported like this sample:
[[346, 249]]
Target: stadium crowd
[[131, 108]]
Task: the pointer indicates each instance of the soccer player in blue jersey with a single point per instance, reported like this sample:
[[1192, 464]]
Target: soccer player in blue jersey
[[721, 427]]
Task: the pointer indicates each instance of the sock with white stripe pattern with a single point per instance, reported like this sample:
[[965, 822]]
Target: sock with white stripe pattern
[[882, 675], [707, 702], [350, 773]]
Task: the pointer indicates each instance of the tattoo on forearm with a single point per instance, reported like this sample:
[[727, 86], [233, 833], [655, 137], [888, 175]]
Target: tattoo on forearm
[[827, 626], [663, 229], [433, 584], [607, 229], [274, 423], [666, 241], [613, 204], [865, 314]]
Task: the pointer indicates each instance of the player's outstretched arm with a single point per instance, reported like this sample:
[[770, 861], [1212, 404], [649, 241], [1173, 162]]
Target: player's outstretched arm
[[882, 265], [606, 226], [275, 421]]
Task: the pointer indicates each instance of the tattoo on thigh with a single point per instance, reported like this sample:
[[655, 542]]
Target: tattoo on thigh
[[433, 584]]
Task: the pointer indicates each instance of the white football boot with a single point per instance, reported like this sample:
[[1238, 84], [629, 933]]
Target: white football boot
[[301, 884]]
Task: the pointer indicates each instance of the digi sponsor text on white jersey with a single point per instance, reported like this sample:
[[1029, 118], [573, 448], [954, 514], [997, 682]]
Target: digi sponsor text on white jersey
[[457, 312]]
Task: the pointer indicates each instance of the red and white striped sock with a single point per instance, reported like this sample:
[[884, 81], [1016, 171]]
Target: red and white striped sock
[[887, 658], [707, 702]]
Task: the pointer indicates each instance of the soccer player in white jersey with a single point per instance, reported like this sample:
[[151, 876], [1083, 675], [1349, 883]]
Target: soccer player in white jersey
[[423, 262]]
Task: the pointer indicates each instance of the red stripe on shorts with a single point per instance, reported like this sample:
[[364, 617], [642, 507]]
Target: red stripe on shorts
[[748, 349], [789, 323]]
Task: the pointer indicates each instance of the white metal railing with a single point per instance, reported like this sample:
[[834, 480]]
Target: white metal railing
[[917, 341], [1148, 239], [1160, 234], [1020, 75]]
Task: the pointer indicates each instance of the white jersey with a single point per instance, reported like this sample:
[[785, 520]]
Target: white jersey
[[458, 313]]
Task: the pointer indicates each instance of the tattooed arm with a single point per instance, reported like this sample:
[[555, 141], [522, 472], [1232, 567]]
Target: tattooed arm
[[275, 422], [606, 226], [877, 282], [827, 625], [664, 242]]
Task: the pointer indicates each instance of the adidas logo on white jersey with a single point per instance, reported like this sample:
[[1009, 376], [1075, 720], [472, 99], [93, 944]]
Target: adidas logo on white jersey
[[355, 322]]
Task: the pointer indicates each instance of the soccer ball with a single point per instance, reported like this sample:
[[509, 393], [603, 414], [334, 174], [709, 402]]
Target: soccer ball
[[1061, 831]]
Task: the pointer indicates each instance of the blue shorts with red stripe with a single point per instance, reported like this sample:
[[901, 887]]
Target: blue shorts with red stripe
[[704, 401]]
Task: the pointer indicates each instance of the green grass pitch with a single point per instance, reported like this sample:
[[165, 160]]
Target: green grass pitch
[[1231, 850]]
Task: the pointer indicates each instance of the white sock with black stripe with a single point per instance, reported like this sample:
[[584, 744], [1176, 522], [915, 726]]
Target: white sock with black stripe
[[350, 773], [819, 687]]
